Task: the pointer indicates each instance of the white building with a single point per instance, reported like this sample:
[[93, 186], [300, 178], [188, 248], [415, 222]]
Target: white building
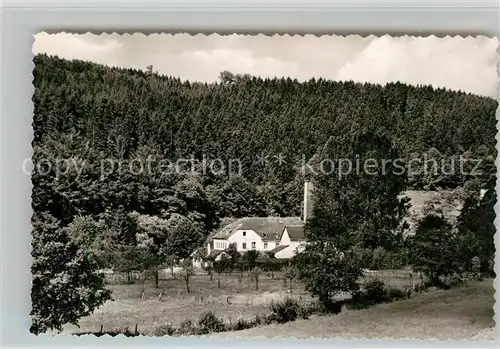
[[292, 241], [278, 236]]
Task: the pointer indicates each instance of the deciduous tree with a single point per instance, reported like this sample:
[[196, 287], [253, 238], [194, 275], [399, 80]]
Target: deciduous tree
[[434, 248], [326, 271], [66, 283]]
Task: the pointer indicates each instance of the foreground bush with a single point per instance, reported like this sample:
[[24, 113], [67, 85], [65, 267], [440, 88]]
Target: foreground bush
[[209, 323], [126, 332], [289, 310], [280, 311], [376, 292], [188, 328], [285, 311], [242, 324], [394, 293], [166, 330]]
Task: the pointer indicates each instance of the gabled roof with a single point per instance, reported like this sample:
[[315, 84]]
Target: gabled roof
[[268, 228], [295, 232]]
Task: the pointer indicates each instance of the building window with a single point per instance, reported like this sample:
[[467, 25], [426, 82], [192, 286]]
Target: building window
[[265, 245], [253, 245], [244, 246], [244, 233], [278, 243]]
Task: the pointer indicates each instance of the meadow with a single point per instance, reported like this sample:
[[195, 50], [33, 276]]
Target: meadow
[[170, 303], [463, 312]]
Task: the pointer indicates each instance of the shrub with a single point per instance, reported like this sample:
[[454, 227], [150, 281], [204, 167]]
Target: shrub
[[268, 319], [165, 330], [396, 293], [241, 324], [358, 301], [257, 320], [408, 291], [126, 332], [431, 283], [285, 311], [375, 291], [476, 267], [305, 312], [187, 327], [209, 323], [315, 307], [330, 307]]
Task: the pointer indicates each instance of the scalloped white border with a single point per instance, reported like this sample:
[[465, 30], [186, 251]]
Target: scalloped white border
[[23, 19]]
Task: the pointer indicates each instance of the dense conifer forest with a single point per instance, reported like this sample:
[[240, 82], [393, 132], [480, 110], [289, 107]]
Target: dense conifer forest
[[93, 112]]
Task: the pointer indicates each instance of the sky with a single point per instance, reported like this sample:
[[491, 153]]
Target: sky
[[467, 64]]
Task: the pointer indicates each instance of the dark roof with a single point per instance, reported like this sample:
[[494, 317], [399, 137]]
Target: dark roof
[[215, 253], [295, 232], [277, 249], [224, 222], [267, 227]]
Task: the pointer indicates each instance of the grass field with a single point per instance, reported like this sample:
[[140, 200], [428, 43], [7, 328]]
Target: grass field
[[232, 301], [458, 313]]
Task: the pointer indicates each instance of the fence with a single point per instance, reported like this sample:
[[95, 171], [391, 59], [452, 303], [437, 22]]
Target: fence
[[116, 277], [399, 278]]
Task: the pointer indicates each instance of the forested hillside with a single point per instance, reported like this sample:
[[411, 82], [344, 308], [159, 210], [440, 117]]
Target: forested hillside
[[104, 197], [94, 112]]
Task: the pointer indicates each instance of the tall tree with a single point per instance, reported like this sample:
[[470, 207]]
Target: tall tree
[[476, 227], [434, 248], [153, 239], [358, 183], [357, 204], [184, 236], [66, 285], [326, 271]]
